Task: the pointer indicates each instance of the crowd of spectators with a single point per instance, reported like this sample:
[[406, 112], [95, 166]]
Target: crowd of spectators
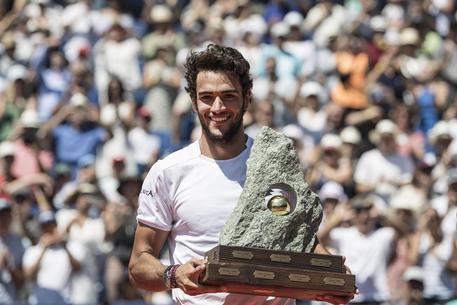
[[92, 94]]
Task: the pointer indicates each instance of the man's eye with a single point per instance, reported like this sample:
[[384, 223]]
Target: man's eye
[[206, 98], [229, 96]]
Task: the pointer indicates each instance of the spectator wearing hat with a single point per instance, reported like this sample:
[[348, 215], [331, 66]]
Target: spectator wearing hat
[[9, 183], [367, 248], [69, 181], [311, 115], [74, 134], [417, 192], [8, 58], [404, 209], [279, 90], [161, 82], [52, 264], [413, 277], [53, 81], [7, 153], [350, 139], [145, 146], [61, 174], [81, 222], [18, 96], [377, 44], [433, 250], [163, 33], [303, 144], [30, 157], [11, 252], [440, 139], [446, 205], [383, 169], [332, 196], [117, 55], [24, 223], [251, 32], [120, 225], [330, 165], [287, 65]]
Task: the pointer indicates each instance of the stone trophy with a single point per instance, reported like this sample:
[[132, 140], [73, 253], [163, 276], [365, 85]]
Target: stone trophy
[[265, 246]]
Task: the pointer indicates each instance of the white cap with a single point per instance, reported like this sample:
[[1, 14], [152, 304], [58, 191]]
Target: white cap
[[29, 118], [384, 127], [293, 18], [7, 149], [311, 88], [332, 190], [280, 29], [350, 134], [407, 199], [331, 141], [413, 273], [161, 13], [254, 24], [393, 12], [16, 72], [258, 23], [78, 99], [378, 23], [409, 36], [293, 131]]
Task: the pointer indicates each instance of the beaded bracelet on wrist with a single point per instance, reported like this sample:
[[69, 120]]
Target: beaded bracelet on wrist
[[169, 276], [173, 282]]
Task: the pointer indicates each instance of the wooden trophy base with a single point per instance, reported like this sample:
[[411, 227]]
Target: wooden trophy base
[[285, 276]]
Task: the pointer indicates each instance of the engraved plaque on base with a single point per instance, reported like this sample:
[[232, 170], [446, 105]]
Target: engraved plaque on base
[[278, 258], [277, 273]]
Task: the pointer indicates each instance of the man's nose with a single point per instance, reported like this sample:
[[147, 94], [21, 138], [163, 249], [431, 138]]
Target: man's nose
[[218, 104]]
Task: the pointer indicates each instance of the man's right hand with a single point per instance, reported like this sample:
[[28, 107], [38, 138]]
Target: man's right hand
[[187, 276]]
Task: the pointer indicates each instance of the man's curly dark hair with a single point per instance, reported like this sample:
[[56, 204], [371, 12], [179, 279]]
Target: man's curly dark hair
[[220, 59]]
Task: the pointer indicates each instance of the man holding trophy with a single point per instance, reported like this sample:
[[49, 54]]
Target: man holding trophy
[[188, 197]]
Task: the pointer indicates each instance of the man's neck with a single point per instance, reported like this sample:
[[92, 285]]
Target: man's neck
[[222, 151]]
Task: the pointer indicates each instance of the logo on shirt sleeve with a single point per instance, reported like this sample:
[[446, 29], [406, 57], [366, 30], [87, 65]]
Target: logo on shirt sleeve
[[147, 192]]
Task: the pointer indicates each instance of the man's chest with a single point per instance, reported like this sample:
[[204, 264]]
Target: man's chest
[[204, 206]]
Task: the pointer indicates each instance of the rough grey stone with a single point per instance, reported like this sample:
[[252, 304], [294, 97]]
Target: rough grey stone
[[273, 160]]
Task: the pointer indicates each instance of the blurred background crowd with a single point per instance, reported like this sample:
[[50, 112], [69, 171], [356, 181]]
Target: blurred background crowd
[[92, 94]]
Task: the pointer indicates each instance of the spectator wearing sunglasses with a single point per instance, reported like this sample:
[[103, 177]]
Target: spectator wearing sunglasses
[[366, 247]]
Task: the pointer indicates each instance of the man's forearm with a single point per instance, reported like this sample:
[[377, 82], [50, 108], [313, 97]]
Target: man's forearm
[[146, 272]]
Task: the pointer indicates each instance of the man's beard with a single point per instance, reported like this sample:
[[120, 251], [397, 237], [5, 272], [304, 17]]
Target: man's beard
[[227, 136]]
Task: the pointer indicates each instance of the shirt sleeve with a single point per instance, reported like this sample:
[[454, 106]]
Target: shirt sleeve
[[154, 204]]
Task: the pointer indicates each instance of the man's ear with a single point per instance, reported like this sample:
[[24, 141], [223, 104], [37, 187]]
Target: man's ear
[[194, 105], [248, 100]]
